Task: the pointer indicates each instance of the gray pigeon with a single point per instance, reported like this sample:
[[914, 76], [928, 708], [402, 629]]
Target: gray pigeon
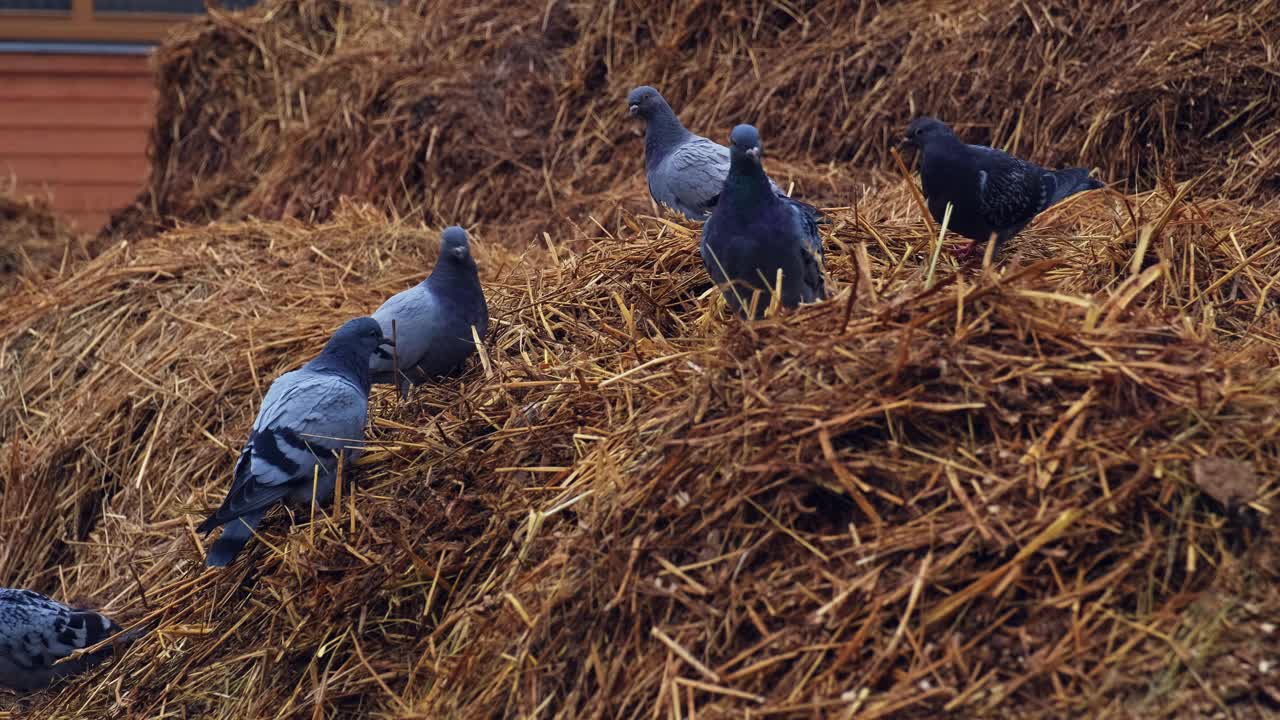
[[433, 319], [685, 171], [990, 191], [753, 233], [308, 416], [35, 632]]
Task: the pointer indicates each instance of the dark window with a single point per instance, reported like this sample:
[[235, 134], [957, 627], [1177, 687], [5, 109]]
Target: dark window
[[36, 5], [148, 6], [185, 7]]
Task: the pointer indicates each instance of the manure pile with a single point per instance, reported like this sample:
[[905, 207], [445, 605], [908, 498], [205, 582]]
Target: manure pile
[[1041, 489]]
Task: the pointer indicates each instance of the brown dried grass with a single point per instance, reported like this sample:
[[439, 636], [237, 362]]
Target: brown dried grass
[[35, 243], [940, 492], [971, 498], [511, 114]]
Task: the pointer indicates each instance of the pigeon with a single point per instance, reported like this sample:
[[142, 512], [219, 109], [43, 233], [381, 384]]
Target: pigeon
[[685, 171], [753, 233], [992, 193], [35, 632], [433, 319], [308, 416]]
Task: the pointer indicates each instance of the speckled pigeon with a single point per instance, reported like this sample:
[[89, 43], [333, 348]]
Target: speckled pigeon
[[35, 632], [685, 171], [433, 319], [991, 192], [308, 416], [753, 232]]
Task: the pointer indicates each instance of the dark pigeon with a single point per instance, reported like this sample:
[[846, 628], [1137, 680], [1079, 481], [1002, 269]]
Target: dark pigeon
[[308, 417], [754, 232], [433, 319], [685, 171], [991, 192], [36, 632]]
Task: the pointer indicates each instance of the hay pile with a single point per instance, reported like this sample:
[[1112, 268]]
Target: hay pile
[[939, 492], [35, 242], [1044, 489], [511, 114], [198, 304]]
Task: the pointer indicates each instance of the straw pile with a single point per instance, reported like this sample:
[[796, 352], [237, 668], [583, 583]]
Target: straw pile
[[511, 113], [990, 492], [35, 242], [1041, 489]]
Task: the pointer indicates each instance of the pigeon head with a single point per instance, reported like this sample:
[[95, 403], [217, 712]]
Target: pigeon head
[[663, 131], [455, 270], [922, 130], [645, 102], [453, 243], [744, 142], [361, 336], [348, 352], [455, 249]]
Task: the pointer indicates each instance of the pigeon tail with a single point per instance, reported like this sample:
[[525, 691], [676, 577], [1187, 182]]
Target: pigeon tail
[[238, 504], [234, 535], [1068, 182], [209, 525], [98, 627], [128, 636]]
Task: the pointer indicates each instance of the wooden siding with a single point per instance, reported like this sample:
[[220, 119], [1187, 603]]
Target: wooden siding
[[75, 126]]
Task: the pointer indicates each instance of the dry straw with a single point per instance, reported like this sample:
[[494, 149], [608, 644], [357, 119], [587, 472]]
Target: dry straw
[[1041, 488], [968, 498], [34, 242], [511, 113]]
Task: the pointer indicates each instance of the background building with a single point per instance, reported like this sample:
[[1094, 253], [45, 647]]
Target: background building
[[76, 97]]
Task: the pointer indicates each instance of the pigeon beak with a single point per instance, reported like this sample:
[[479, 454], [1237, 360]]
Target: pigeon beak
[[754, 153], [633, 109], [459, 252], [386, 342]]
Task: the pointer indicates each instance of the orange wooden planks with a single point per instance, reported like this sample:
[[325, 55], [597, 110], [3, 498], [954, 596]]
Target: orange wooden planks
[[75, 127]]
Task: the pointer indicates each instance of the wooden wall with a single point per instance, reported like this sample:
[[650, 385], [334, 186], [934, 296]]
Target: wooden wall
[[76, 126]]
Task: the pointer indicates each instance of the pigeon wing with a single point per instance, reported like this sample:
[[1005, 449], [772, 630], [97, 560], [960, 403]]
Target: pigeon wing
[[1061, 184], [1010, 190], [305, 418], [812, 258], [417, 316], [690, 178], [36, 631]]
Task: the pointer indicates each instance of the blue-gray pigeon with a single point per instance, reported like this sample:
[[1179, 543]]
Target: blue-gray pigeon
[[308, 417], [35, 632], [685, 171], [992, 193], [754, 232], [433, 319]]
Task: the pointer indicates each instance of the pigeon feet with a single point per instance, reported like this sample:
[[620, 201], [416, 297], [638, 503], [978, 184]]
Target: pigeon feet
[[964, 251]]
